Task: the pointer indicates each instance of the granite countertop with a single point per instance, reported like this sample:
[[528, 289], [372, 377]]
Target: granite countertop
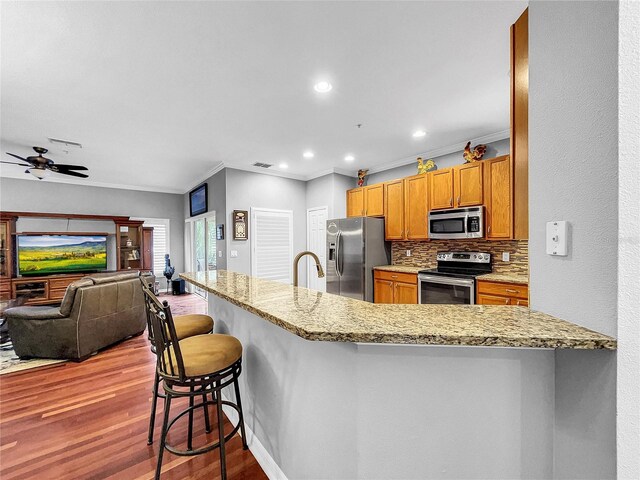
[[505, 278], [322, 316], [400, 268]]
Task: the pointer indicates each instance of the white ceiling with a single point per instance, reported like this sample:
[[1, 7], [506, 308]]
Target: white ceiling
[[159, 94]]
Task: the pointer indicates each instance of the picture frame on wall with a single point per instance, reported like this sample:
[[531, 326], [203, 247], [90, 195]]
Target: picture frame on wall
[[198, 200], [240, 225]]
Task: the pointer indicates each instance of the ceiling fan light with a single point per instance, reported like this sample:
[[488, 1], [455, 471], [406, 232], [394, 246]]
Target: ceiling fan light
[[39, 173]]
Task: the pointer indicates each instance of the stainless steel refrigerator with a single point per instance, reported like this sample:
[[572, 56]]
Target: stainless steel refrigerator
[[354, 246]]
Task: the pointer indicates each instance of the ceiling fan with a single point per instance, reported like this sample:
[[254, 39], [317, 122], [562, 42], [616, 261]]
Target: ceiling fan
[[38, 165]]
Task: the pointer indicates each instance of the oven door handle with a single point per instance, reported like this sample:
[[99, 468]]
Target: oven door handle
[[447, 281]]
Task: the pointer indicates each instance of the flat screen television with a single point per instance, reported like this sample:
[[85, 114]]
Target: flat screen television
[[198, 200], [51, 254]]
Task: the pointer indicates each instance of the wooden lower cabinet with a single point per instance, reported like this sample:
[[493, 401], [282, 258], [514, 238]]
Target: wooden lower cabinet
[[42, 290], [5, 289], [392, 287], [498, 293]]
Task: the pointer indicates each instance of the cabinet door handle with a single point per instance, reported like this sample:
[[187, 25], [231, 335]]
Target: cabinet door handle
[[489, 229], [511, 290], [458, 199], [451, 201], [506, 301], [394, 276]]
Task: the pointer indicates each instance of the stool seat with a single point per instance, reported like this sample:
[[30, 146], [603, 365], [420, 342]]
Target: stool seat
[[192, 324], [203, 355]]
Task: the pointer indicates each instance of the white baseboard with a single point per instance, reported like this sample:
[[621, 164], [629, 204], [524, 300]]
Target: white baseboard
[[267, 463]]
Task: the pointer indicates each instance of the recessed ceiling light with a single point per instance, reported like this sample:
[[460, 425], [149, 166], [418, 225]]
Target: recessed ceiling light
[[323, 87], [308, 154], [419, 133], [349, 158], [283, 166]]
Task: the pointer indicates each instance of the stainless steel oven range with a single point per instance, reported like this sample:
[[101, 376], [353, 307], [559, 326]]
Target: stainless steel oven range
[[453, 282]]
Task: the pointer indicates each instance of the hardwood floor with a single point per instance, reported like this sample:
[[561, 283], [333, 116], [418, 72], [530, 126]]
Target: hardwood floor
[[89, 420]]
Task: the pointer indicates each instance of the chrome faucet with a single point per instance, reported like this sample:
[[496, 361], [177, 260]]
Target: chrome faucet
[[297, 260]]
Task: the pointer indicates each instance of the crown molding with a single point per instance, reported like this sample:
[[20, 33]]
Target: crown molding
[[203, 178], [89, 183], [438, 152]]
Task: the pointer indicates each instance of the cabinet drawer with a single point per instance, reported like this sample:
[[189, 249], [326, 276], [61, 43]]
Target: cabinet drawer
[[396, 276], [57, 293], [5, 287], [62, 283], [494, 300], [505, 289]]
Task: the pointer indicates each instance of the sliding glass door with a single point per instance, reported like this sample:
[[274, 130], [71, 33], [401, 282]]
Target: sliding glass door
[[203, 245]]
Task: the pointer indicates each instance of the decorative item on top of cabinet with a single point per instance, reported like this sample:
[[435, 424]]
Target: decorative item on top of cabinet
[[425, 166], [520, 125], [393, 287], [498, 293], [394, 210], [361, 175], [498, 195], [474, 155]]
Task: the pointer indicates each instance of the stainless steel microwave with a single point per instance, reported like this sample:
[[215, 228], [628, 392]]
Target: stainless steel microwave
[[457, 223]]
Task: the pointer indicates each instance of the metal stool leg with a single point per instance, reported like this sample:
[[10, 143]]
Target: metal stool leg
[[163, 438], [154, 403], [207, 423], [241, 414], [190, 430], [223, 463]]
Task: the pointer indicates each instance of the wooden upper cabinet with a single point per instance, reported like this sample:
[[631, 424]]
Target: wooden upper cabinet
[[355, 202], [441, 187], [520, 125], [374, 200], [416, 207], [468, 184], [498, 194], [394, 210]]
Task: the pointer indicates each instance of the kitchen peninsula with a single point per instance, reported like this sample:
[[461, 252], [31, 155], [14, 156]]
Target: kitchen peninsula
[[393, 391]]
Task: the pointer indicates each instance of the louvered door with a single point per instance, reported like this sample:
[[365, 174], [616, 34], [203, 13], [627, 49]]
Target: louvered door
[[271, 244]]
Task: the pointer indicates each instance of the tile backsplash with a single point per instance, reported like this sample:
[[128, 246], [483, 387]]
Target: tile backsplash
[[423, 254]]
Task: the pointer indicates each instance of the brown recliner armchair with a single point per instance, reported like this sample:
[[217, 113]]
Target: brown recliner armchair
[[96, 311]]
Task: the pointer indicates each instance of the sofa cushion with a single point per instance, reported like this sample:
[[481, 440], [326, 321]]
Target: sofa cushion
[[33, 313], [70, 295]]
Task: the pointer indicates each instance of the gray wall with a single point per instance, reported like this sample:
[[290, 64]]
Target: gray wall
[[494, 149], [248, 189], [217, 196], [572, 176], [330, 191], [43, 196]]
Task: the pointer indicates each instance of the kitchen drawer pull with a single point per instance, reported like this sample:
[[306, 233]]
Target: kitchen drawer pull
[[511, 290], [394, 276], [506, 301]]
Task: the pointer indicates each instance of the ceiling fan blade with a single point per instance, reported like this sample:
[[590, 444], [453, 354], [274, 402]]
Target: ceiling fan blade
[[19, 158], [16, 163], [62, 167], [73, 174]]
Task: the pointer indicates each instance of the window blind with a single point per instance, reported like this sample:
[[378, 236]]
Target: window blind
[[272, 244]]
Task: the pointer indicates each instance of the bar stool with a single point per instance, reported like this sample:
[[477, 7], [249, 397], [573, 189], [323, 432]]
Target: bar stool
[[195, 367], [186, 326]]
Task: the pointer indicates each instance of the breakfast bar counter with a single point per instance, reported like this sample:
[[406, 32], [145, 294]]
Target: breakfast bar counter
[[315, 315], [337, 388]]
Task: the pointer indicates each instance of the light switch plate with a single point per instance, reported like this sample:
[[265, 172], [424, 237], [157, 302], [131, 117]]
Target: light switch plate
[[220, 253], [557, 238], [234, 253]]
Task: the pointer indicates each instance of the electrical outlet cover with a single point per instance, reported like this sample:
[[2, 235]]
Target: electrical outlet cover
[[557, 238], [506, 256], [408, 253]]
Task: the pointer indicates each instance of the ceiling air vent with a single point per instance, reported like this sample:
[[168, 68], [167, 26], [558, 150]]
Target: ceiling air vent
[[263, 165]]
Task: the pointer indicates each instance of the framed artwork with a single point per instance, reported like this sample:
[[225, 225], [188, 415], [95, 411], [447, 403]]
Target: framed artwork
[[240, 225], [198, 200], [220, 231]]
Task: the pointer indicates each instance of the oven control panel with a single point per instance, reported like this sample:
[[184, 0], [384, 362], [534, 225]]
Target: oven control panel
[[476, 257]]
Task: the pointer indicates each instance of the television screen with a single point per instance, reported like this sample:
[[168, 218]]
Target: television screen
[[198, 200], [49, 254]]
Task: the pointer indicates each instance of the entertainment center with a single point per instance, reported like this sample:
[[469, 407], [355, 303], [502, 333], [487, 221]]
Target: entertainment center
[[42, 264]]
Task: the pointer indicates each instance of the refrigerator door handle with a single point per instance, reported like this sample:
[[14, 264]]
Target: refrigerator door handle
[[338, 235]]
